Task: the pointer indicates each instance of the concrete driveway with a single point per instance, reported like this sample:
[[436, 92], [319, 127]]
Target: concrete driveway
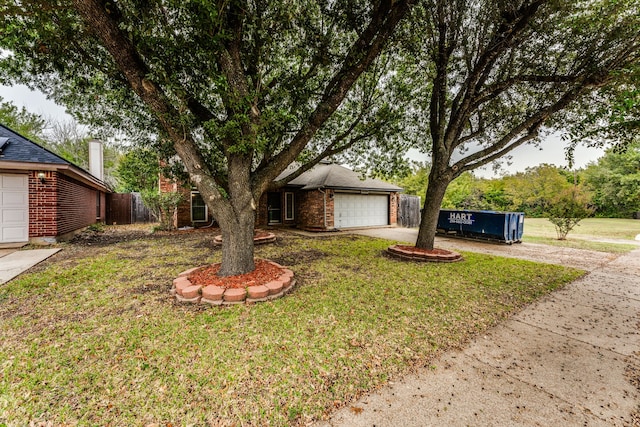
[[570, 359], [14, 262]]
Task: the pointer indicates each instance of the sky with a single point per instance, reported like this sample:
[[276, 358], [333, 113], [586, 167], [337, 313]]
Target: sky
[[550, 151]]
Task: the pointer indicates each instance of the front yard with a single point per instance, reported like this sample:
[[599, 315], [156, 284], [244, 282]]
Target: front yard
[[92, 337]]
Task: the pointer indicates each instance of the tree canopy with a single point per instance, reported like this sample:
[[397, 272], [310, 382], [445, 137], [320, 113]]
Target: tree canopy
[[499, 74], [240, 89]]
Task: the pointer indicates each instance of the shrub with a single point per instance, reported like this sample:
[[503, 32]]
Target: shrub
[[163, 206], [567, 210]]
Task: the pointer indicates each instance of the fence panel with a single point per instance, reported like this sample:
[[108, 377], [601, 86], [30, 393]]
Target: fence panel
[[119, 208], [140, 213], [127, 208], [409, 211]]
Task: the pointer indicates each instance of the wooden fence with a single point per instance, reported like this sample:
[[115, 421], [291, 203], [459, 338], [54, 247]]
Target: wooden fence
[[409, 211], [127, 208]]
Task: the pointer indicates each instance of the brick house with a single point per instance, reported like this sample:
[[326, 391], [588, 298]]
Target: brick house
[[44, 198], [327, 197]]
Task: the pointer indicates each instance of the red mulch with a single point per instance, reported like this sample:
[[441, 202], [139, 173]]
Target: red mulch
[[264, 273], [415, 250]]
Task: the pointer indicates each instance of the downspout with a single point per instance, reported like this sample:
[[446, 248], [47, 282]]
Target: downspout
[[324, 202]]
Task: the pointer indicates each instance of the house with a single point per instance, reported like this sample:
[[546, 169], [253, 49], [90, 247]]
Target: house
[[327, 197], [44, 198]]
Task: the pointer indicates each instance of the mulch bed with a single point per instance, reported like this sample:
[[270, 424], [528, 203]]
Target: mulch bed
[[264, 273]]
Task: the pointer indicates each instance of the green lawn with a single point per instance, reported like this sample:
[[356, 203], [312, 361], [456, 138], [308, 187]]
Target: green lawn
[[586, 234], [92, 337]]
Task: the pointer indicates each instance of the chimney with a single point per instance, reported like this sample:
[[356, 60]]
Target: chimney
[[95, 159]]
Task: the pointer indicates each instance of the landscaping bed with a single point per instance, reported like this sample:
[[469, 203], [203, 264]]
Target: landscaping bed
[[92, 335]]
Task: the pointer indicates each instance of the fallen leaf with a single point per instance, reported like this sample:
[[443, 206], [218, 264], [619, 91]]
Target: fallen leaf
[[356, 410]]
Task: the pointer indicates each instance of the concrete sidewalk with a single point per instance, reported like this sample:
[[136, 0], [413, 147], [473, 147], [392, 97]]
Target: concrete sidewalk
[[16, 262], [566, 360]]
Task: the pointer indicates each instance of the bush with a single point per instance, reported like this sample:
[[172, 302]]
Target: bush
[[163, 206], [568, 209]]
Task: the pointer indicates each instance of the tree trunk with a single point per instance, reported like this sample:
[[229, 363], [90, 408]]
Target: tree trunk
[[236, 217], [436, 188], [237, 243]]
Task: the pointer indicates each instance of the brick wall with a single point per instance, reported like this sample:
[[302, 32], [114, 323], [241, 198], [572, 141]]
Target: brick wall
[[310, 209], [183, 213], [261, 213], [77, 205], [60, 205], [43, 204], [394, 201]]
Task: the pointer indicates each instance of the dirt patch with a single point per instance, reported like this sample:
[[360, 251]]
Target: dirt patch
[[110, 235]]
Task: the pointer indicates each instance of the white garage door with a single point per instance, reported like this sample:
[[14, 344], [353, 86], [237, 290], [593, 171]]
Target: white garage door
[[14, 208], [360, 210]]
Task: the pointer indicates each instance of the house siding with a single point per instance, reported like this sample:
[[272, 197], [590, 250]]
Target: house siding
[[309, 207], [182, 216], [61, 205], [77, 205]]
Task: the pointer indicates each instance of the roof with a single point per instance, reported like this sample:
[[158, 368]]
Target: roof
[[19, 152], [17, 148], [337, 177]]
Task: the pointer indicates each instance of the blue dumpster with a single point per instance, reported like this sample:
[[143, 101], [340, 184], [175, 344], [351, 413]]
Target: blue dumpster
[[506, 227]]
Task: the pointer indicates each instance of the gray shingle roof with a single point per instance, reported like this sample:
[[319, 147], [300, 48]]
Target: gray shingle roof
[[20, 149], [338, 177]]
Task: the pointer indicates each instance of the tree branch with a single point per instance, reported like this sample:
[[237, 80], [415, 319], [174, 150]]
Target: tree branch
[[361, 54]]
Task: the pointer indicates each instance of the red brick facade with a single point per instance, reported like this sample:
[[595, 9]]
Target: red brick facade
[[394, 202], [61, 205], [313, 209]]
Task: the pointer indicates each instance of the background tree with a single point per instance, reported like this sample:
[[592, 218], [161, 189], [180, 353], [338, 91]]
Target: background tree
[[20, 120], [500, 72], [535, 190], [138, 170], [70, 140], [67, 139], [415, 180], [568, 209], [614, 181], [240, 88]]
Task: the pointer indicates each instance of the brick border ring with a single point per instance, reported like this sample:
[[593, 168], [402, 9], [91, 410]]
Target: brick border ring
[[258, 238], [185, 291], [411, 253]]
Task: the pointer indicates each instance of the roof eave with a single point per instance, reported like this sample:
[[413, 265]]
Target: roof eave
[[66, 169]]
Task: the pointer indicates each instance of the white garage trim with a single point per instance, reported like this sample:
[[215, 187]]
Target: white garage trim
[[14, 208], [360, 210]]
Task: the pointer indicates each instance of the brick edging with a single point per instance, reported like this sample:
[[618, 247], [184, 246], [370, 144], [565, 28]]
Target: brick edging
[[409, 255], [269, 238], [185, 291]]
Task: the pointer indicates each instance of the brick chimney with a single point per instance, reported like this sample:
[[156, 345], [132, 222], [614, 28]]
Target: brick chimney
[[96, 162]]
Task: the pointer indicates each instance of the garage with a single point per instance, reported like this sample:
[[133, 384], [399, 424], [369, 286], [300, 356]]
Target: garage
[[360, 210], [14, 208]]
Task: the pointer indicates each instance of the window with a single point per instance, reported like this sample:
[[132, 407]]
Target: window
[[199, 212], [288, 207], [97, 205]]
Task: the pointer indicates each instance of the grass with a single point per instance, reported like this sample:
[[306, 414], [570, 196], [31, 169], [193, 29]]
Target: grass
[[588, 234], [91, 336]]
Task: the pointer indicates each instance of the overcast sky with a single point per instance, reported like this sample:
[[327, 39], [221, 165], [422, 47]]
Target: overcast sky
[[551, 151]]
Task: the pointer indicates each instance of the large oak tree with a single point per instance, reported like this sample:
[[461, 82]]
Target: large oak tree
[[239, 88], [499, 73]]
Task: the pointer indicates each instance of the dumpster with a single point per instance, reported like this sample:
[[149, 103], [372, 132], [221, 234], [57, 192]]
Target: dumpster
[[507, 227]]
